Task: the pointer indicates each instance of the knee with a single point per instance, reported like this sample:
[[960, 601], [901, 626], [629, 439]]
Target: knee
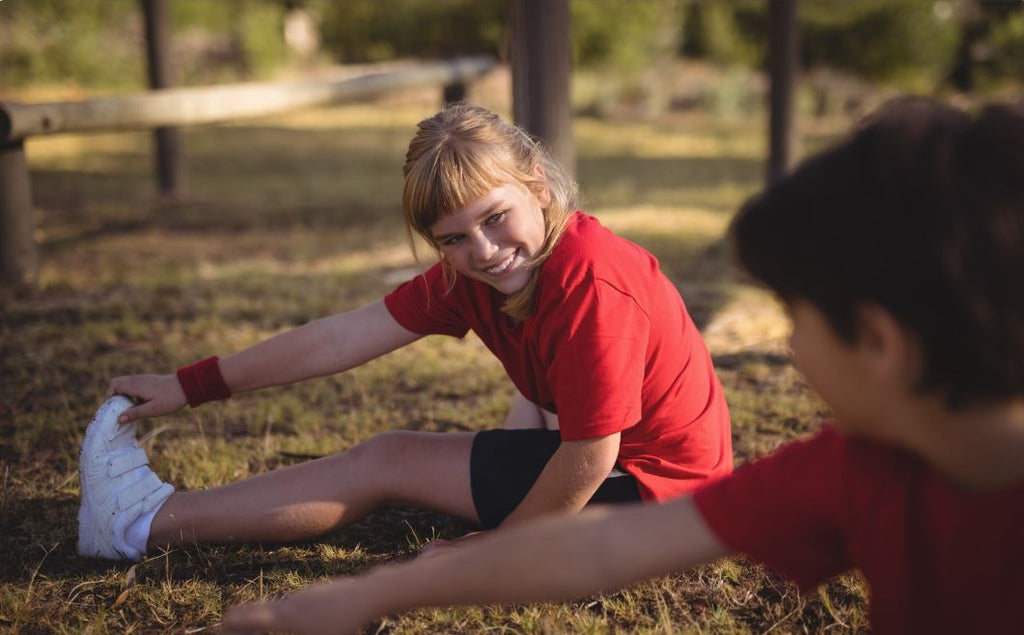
[[385, 447]]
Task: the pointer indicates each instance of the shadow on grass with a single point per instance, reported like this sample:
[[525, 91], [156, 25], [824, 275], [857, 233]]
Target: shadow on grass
[[735, 361], [238, 178], [37, 538], [39, 535]]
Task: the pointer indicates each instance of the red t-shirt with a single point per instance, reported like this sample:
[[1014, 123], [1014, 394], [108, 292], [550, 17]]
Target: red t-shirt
[[610, 348], [938, 559]]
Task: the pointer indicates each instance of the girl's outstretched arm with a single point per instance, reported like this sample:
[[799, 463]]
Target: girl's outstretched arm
[[322, 347], [555, 558]]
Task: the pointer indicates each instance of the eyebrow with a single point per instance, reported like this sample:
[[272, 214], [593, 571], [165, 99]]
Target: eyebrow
[[489, 210]]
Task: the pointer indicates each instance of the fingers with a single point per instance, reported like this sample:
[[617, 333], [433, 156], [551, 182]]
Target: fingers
[[129, 386], [249, 618], [159, 395], [147, 409]]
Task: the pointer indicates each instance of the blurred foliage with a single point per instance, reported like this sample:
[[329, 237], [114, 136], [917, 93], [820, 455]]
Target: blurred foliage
[[627, 36], [712, 31], [919, 44], [903, 41], [379, 30], [227, 39], [630, 47], [89, 41], [100, 42], [991, 49], [1007, 52], [888, 40]]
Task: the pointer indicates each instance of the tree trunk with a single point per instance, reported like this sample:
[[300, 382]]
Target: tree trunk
[[782, 69], [167, 141], [541, 74]]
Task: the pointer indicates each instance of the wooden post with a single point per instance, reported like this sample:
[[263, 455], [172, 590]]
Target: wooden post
[[541, 74], [782, 69], [18, 258], [167, 140], [453, 92]]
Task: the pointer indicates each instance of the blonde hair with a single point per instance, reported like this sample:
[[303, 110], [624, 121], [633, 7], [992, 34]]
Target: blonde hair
[[462, 153]]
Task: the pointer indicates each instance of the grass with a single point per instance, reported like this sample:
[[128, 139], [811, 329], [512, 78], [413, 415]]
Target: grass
[[292, 218]]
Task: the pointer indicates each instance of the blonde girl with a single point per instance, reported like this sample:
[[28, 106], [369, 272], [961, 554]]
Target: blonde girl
[[617, 399]]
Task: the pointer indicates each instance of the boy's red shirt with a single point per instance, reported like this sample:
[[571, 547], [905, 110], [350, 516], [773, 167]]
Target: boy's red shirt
[[938, 558], [610, 348]]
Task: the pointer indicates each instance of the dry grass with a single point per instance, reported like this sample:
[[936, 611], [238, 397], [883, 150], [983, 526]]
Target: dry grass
[[293, 218]]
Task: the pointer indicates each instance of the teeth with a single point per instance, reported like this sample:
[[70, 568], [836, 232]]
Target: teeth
[[501, 266]]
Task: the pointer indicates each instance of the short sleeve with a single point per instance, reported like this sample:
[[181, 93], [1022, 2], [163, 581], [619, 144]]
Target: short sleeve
[[597, 341], [426, 305], [786, 510]]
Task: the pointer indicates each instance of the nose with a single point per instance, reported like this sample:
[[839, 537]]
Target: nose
[[483, 247]]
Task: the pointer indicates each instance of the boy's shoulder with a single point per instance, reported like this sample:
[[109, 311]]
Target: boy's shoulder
[[859, 465]]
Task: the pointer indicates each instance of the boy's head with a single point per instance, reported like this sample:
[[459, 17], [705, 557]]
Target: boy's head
[[919, 212]]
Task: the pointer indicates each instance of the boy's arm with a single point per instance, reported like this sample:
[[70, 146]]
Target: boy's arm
[[322, 347], [555, 558]]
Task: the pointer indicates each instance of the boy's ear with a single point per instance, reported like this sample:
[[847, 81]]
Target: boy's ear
[[889, 348]]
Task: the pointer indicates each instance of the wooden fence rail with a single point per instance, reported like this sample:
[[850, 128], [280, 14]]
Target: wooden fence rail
[[175, 107]]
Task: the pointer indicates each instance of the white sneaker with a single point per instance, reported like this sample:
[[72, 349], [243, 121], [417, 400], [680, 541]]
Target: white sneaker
[[117, 485]]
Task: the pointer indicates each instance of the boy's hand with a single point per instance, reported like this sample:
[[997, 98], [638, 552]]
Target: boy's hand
[[322, 608], [160, 394], [440, 545]]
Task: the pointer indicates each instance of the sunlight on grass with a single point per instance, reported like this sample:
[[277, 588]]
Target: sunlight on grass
[[650, 140], [751, 318], [362, 116], [686, 222], [356, 262], [93, 152]]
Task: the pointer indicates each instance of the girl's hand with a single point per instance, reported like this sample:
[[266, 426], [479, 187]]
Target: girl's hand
[[160, 395], [330, 607]]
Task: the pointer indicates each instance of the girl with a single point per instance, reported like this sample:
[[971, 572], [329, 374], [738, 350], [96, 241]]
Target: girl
[[617, 397]]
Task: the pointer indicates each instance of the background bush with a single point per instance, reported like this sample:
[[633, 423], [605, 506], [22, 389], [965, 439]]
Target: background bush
[[924, 45]]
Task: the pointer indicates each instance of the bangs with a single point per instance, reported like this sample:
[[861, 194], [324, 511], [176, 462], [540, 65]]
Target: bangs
[[453, 176]]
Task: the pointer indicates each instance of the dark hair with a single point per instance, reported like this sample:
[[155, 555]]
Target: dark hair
[[920, 211]]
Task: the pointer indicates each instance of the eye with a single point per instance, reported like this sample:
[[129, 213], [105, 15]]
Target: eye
[[495, 218], [449, 241]]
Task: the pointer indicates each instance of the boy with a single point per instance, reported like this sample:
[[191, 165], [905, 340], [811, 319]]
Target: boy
[[899, 255]]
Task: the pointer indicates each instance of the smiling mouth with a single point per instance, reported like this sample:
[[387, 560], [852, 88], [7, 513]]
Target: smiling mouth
[[502, 266]]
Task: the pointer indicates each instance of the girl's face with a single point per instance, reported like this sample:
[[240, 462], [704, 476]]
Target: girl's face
[[493, 238]]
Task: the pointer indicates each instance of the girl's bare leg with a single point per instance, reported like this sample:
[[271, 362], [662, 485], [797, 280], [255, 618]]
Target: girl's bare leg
[[302, 501]]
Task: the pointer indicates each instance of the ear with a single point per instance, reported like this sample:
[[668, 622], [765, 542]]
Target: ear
[[544, 193], [887, 346]]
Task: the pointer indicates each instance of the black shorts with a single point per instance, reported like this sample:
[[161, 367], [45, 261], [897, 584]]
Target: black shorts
[[505, 464]]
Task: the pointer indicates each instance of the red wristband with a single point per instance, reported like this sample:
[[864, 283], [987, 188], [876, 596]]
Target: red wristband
[[203, 382]]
